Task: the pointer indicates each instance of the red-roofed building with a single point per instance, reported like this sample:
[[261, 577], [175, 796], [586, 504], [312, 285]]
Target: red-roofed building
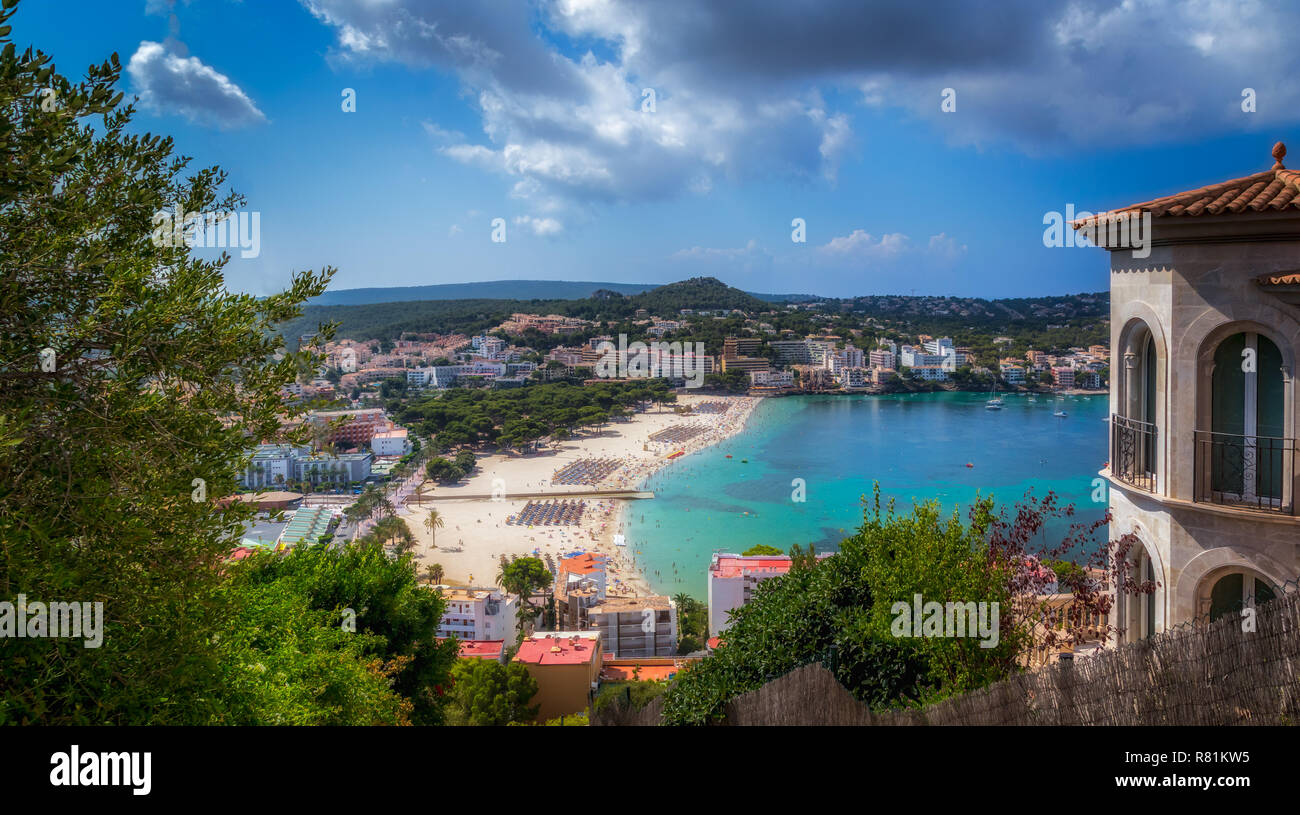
[[732, 579], [481, 649], [580, 583], [660, 669], [566, 666]]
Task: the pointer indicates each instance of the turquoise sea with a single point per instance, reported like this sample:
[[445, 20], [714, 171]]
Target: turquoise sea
[[916, 446]]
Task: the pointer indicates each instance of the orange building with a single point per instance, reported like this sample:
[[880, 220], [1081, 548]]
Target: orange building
[[566, 666]]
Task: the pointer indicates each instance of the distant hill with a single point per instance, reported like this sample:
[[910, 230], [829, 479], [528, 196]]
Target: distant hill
[[504, 290], [698, 293], [487, 290], [389, 318], [940, 316]]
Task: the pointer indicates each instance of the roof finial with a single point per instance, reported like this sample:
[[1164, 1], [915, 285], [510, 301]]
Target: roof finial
[[1279, 153]]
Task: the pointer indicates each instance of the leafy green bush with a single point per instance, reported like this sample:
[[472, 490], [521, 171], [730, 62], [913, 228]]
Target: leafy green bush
[[840, 612]]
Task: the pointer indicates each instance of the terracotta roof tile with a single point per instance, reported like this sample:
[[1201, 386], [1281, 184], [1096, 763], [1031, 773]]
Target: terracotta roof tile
[[1278, 279], [1276, 189]]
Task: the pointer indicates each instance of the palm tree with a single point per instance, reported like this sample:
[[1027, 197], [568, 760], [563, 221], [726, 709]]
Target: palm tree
[[433, 523], [392, 528], [433, 574]]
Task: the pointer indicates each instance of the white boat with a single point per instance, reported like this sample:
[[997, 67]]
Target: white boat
[[1060, 414], [993, 404]]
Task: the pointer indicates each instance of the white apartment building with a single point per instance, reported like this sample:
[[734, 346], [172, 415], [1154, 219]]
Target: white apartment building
[[931, 373], [881, 358], [445, 376], [487, 345], [858, 377], [913, 357], [479, 614], [395, 442], [848, 357], [769, 378], [802, 352], [939, 347], [272, 465], [732, 579]]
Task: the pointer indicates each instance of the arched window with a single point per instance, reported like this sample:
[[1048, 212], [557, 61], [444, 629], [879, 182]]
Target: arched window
[[1133, 432], [1247, 452], [1238, 589], [1149, 615], [1140, 614]]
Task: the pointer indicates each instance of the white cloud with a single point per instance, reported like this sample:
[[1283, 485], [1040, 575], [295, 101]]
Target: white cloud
[[703, 253], [540, 226], [863, 244], [738, 88], [945, 248], [441, 134], [171, 83], [572, 126]]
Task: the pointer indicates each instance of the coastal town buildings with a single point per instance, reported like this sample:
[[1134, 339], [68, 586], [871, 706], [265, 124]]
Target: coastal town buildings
[[732, 579], [392, 442], [548, 324], [274, 465], [566, 666], [494, 650], [636, 626], [1204, 336], [580, 583], [770, 378], [350, 428], [478, 614]]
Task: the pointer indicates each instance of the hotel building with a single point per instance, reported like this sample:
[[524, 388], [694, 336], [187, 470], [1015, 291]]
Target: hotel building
[[732, 579], [478, 614], [635, 626]]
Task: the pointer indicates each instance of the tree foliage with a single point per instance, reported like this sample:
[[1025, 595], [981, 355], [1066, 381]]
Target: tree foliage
[[840, 610], [488, 693], [130, 380], [396, 619]]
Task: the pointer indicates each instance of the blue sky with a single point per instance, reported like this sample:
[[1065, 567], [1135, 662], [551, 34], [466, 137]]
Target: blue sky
[[532, 111]]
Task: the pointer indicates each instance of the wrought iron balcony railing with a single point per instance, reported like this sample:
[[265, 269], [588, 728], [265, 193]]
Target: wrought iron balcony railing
[[1133, 452], [1254, 472]]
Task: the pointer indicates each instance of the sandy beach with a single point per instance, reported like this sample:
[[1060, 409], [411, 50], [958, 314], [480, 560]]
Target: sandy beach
[[476, 531]]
